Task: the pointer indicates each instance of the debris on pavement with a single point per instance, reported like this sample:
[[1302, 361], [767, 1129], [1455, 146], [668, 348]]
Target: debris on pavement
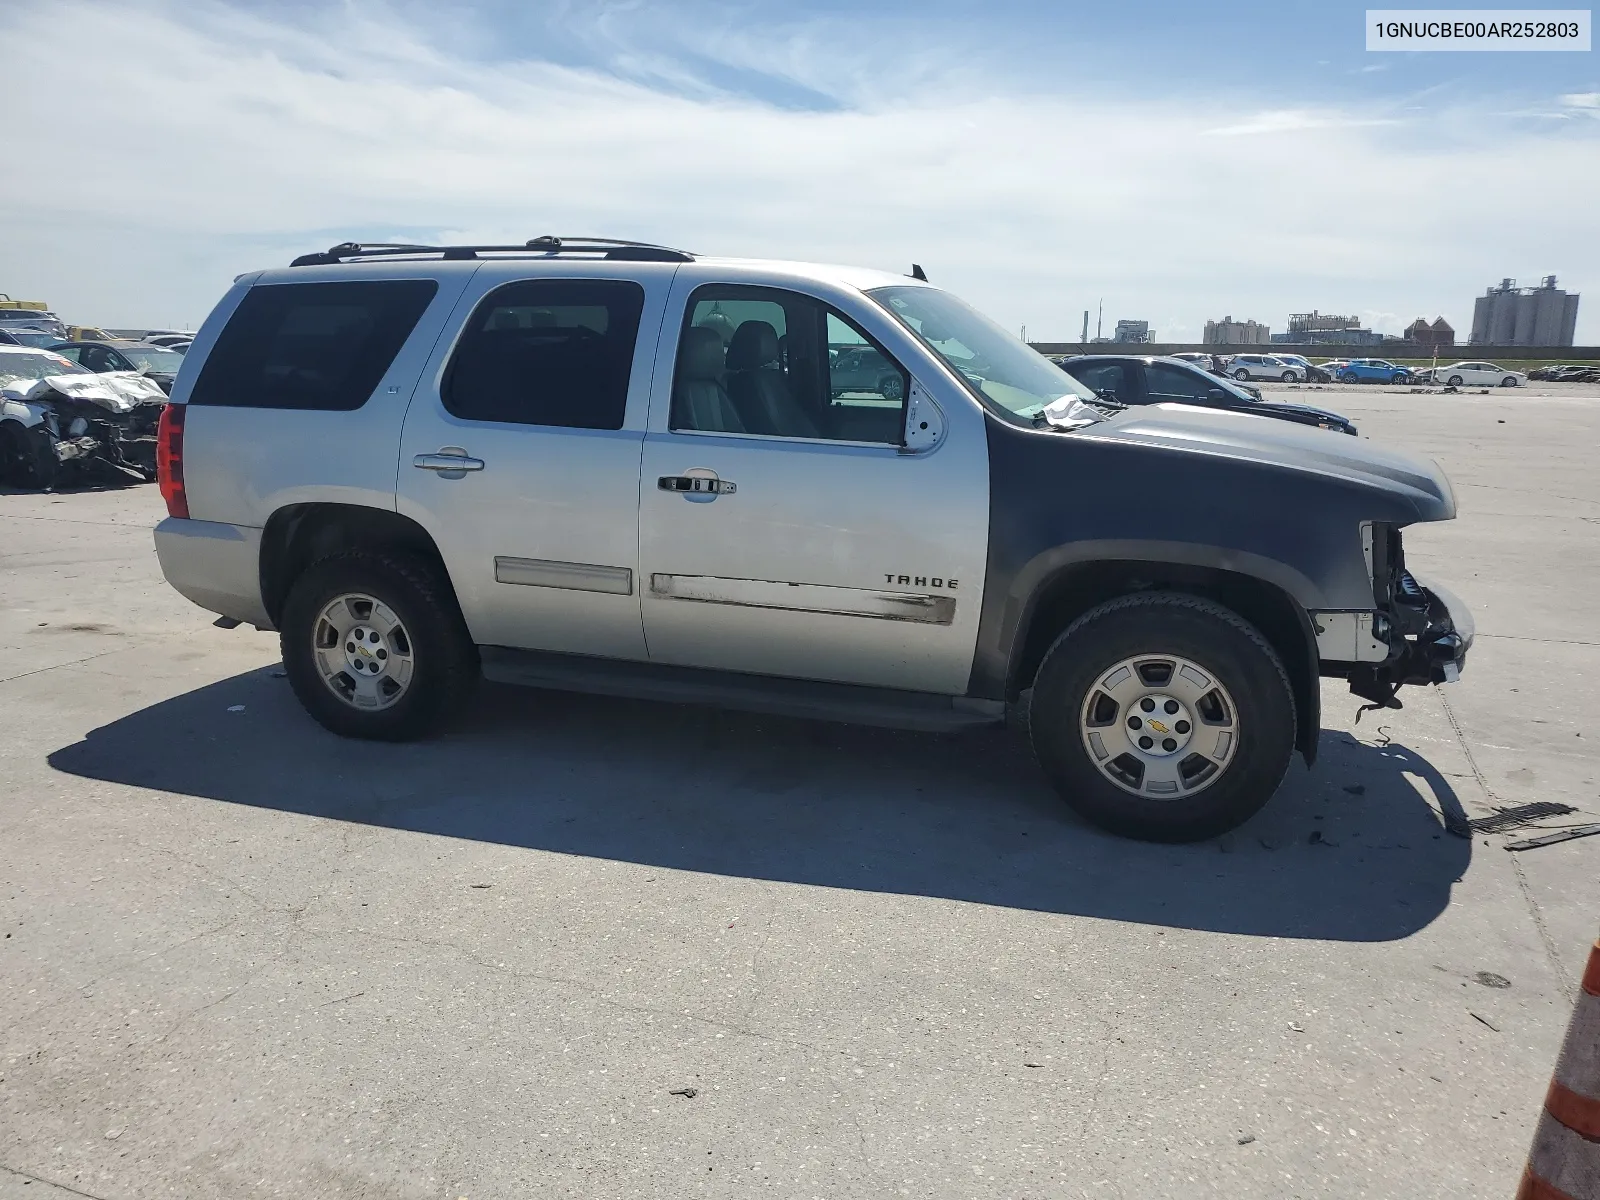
[[235, 708], [1491, 980], [1485, 1021], [1246, 1139], [1523, 814], [1356, 789], [687, 1093], [1550, 839]]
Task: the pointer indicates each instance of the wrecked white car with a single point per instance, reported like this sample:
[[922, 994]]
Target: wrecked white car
[[57, 419]]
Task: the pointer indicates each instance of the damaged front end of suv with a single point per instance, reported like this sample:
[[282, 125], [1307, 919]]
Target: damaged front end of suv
[[1417, 633], [55, 427]]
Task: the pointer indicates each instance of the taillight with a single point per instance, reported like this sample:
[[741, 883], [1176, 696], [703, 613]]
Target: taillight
[[169, 459]]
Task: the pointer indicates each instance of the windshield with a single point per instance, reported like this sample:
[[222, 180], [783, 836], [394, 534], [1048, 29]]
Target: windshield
[[994, 365], [38, 339], [28, 367], [152, 358]]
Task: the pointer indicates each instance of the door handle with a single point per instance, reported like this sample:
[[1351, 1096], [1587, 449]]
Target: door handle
[[697, 486], [448, 461]]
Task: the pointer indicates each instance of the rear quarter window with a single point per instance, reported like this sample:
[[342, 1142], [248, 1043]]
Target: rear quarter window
[[311, 345]]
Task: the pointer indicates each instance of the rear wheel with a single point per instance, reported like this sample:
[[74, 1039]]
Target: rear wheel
[[374, 646], [1163, 716], [1349, 377]]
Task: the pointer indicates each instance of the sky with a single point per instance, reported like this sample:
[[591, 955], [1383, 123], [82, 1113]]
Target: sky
[[1174, 162]]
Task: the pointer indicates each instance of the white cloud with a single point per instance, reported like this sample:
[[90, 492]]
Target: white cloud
[[247, 139], [1297, 121]]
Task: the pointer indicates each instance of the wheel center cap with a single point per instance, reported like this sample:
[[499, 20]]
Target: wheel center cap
[[366, 651], [1160, 725]]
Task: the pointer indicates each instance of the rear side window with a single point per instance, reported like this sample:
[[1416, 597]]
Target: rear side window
[[547, 352], [311, 345]]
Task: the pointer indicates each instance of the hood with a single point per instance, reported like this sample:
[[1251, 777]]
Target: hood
[[1303, 412], [114, 391], [1416, 484]]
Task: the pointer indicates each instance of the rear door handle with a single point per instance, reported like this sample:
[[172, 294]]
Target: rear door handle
[[697, 486], [447, 462]]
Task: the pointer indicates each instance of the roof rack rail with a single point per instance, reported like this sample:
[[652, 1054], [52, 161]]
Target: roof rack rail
[[611, 248]]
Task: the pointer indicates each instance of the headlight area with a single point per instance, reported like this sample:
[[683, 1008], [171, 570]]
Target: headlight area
[[1416, 632]]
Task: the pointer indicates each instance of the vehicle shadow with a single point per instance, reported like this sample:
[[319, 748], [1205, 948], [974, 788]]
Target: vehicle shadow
[[1348, 851]]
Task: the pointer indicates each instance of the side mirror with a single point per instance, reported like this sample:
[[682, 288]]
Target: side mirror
[[1216, 394]]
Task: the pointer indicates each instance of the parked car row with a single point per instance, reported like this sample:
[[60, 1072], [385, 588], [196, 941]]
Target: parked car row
[[1296, 368], [1125, 379], [157, 355]]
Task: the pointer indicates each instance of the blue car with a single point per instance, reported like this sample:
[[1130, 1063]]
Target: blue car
[[1373, 370]]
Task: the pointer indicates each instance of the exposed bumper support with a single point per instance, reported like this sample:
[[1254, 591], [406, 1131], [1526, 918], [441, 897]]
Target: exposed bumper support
[[1425, 637]]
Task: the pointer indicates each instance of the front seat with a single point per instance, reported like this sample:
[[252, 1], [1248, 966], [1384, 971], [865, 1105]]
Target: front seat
[[758, 389], [699, 400]]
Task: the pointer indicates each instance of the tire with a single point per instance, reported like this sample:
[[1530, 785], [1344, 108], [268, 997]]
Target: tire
[[1241, 374], [1454, 381], [439, 659], [1349, 377], [1509, 381], [1400, 377], [891, 387], [1244, 674], [1290, 377], [26, 457]]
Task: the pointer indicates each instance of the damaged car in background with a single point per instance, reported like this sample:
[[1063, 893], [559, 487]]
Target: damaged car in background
[[58, 420]]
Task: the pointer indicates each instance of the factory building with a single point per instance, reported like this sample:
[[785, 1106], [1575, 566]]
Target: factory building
[[1507, 315], [1228, 332]]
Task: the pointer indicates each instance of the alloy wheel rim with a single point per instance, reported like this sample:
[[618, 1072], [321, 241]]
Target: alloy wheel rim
[[363, 652], [1159, 726]]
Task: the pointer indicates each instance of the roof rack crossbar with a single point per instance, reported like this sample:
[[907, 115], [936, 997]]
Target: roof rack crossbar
[[613, 248]]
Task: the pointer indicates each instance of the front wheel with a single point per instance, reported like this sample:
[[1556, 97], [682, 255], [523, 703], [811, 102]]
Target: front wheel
[[1290, 377], [1163, 717], [27, 458], [1454, 381], [1241, 374], [1509, 381], [375, 647]]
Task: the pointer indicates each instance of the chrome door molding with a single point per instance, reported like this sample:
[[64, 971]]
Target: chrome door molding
[[568, 576], [874, 603]]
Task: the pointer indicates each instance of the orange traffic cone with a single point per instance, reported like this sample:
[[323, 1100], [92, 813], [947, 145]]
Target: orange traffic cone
[[1564, 1163]]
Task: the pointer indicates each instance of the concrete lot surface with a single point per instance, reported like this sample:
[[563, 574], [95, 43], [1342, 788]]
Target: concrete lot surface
[[243, 958]]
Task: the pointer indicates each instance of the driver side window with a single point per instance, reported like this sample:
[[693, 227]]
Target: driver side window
[[1107, 378], [773, 363], [1170, 385]]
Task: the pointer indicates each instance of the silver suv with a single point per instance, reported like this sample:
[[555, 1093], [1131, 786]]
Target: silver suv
[[823, 491], [1265, 366]]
